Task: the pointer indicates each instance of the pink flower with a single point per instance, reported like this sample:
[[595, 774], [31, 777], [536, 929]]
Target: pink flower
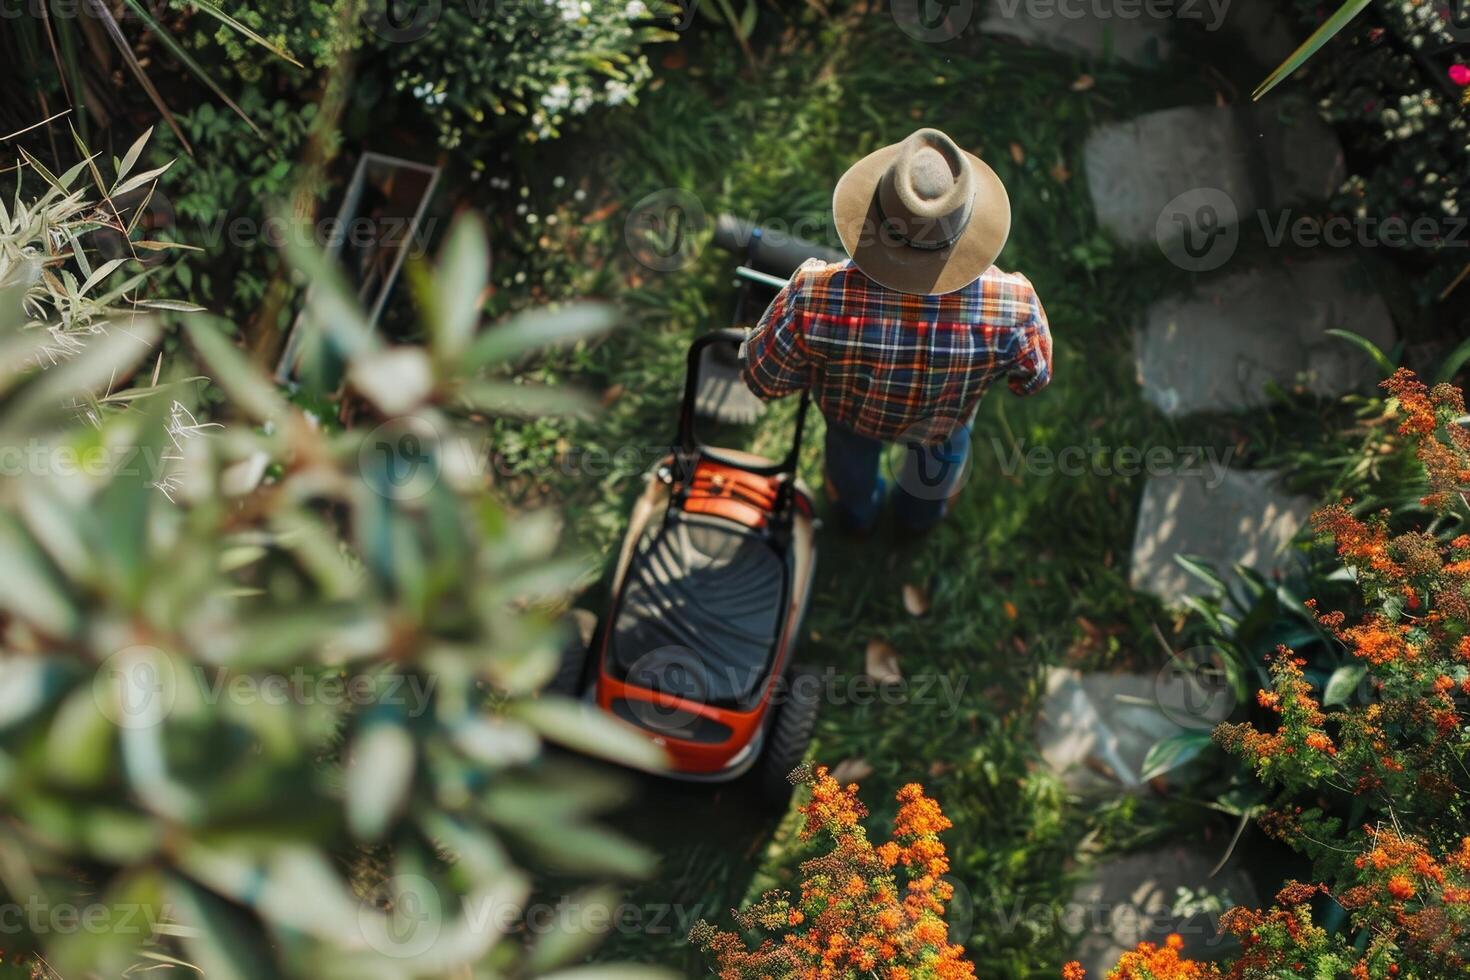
[[1460, 75]]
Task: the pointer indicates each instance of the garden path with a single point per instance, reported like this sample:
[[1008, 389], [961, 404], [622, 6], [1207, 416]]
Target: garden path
[[1187, 180]]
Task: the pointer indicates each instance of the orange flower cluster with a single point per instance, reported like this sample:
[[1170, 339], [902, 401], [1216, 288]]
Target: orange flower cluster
[[1151, 962], [852, 918], [1424, 413], [1399, 758]]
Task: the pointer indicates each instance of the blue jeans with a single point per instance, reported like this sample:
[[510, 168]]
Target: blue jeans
[[928, 476]]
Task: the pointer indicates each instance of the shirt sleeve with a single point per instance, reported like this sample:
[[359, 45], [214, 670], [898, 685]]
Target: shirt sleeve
[[777, 361], [1030, 371]]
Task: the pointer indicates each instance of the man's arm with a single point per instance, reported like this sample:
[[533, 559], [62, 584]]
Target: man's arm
[[777, 361], [1030, 370]]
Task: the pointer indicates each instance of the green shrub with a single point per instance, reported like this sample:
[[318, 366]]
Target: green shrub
[[523, 66], [1409, 141], [270, 691]]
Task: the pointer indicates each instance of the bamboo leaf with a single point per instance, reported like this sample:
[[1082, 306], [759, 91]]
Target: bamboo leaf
[[119, 41], [165, 36], [131, 157], [234, 24], [1309, 47]]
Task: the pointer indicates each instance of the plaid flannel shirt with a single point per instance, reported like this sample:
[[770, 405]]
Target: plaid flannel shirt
[[893, 366]]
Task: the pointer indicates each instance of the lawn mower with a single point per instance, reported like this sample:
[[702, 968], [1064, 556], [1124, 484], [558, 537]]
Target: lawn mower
[[696, 649]]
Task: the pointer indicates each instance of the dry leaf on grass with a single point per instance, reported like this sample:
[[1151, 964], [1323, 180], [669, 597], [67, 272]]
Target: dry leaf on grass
[[852, 771], [915, 599], [1083, 83], [882, 662], [1018, 152]]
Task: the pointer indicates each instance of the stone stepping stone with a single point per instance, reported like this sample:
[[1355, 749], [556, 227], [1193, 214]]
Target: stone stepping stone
[[1076, 27], [1150, 176], [1132, 899], [1223, 519], [1096, 729], [1217, 349]]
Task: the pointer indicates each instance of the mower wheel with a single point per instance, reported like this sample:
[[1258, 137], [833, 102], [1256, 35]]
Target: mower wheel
[[571, 672], [790, 736]]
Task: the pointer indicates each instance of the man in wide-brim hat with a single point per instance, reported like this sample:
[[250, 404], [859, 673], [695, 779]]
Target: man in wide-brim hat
[[900, 343]]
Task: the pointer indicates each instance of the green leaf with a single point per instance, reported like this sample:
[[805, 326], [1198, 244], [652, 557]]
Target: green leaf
[[32, 592], [218, 941], [591, 731], [1384, 363], [1309, 47], [1453, 362], [458, 285], [176, 49], [613, 972], [523, 400], [379, 776], [251, 390], [1343, 684], [1172, 752], [234, 24], [1202, 572], [536, 329], [558, 947]]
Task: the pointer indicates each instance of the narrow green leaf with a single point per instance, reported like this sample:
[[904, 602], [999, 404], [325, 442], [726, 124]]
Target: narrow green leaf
[[1384, 363], [234, 24], [1309, 47]]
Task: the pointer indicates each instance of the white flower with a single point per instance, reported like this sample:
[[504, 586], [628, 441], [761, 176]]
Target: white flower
[[635, 10]]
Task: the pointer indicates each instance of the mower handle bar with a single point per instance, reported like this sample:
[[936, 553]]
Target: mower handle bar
[[768, 250], [689, 442]]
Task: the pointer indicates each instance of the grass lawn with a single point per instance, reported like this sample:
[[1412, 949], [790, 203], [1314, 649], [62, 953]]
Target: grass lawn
[[1029, 570]]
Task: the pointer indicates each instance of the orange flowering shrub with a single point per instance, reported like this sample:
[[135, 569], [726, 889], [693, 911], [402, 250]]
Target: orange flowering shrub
[[1373, 790], [862, 911]]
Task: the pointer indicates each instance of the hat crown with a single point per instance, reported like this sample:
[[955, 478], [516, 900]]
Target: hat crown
[[926, 194], [930, 174]]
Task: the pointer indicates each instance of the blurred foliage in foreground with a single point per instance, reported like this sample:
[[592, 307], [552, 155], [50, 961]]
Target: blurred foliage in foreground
[[268, 692]]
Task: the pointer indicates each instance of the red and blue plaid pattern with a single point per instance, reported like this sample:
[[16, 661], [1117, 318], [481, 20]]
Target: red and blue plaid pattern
[[890, 365]]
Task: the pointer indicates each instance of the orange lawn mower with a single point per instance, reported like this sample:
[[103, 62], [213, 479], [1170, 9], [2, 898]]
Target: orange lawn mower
[[711, 586]]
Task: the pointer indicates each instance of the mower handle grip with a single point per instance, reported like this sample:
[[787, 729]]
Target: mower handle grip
[[689, 440], [769, 250]]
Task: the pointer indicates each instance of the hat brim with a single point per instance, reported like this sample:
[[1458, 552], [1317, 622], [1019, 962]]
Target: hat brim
[[913, 270]]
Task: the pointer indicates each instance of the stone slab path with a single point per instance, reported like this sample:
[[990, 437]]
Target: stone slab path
[[1216, 349], [1245, 520], [1269, 156], [1132, 899], [1078, 29], [1097, 729]]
